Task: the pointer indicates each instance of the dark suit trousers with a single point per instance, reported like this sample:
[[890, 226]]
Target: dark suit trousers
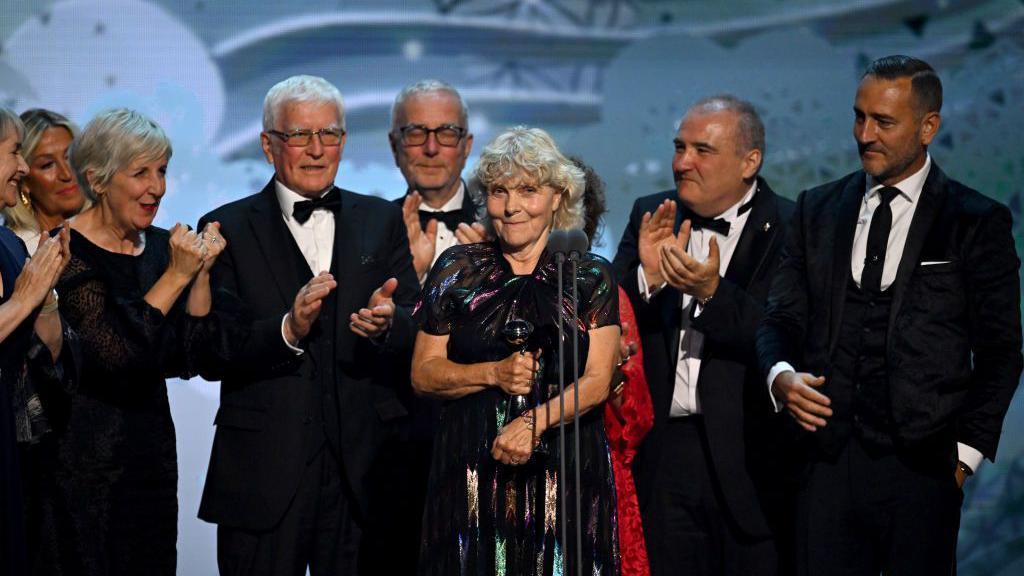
[[318, 530], [872, 510], [687, 527]]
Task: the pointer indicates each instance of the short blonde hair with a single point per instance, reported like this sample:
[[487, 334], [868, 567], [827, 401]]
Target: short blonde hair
[[531, 154], [37, 121], [110, 142]]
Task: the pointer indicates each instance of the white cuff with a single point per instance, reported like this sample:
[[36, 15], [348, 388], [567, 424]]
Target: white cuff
[[779, 368], [298, 351], [645, 291], [969, 456]]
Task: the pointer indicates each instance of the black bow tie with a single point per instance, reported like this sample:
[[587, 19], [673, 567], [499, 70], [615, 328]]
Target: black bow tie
[[451, 219], [301, 211], [719, 225]]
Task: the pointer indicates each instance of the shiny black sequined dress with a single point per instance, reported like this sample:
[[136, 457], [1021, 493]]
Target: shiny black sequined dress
[[482, 517]]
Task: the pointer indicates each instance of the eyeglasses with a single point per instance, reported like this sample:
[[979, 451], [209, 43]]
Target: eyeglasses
[[447, 135], [302, 138]]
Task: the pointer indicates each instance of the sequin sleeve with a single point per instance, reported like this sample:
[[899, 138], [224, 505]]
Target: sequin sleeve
[[435, 311], [602, 309]]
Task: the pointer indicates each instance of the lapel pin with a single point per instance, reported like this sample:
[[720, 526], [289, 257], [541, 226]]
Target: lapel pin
[[767, 226]]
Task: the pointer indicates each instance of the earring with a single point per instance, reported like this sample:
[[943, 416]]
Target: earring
[[26, 201]]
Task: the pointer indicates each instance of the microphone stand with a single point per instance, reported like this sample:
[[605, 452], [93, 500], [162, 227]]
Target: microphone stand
[[557, 244], [573, 242]]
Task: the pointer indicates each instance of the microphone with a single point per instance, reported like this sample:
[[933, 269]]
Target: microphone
[[572, 243], [569, 244]]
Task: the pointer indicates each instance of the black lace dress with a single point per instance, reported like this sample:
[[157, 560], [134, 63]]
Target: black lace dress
[[115, 508], [482, 517]]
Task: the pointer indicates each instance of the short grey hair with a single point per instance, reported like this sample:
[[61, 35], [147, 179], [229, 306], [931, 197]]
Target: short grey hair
[[531, 154], [749, 129], [429, 86], [301, 88], [37, 121], [110, 142], [9, 122]]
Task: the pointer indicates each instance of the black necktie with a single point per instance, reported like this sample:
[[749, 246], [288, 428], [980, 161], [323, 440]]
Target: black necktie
[[301, 211], [878, 240], [451, 219], [719, 225]]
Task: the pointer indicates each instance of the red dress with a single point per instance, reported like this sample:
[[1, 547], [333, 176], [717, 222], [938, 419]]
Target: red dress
[[626, 427]]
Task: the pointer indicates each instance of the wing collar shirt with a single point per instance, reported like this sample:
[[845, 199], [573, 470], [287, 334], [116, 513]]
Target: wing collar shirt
[[445, 237], [685, 400], [315, 237]]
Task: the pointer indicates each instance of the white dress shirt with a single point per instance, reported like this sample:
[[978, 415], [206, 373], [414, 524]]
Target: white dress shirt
[[314, 237], [903, 206], [445, 237], [691, 341]]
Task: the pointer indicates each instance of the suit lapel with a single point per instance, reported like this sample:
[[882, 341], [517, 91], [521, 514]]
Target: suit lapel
[[756, 237], [469, 208], [846, 226], [345, 265], [929, 203], [273, 238]]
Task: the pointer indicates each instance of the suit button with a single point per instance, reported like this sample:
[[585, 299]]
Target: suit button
[[866, 330], [871, 304]]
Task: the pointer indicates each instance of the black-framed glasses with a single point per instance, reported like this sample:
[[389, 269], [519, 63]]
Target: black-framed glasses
[[446, 134], [302, 138]]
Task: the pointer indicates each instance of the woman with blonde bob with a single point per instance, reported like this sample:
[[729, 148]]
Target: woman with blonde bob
[[493, 503], [31, 335], [49, 194], [137, 296]]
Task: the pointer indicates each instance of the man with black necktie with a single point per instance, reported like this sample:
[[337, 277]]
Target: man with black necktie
[[313, 296], [898, 301], [696, 263]]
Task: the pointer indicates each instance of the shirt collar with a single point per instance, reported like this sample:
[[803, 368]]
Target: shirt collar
[[732, 213], [287, 198], [454, 203], [910, 187]]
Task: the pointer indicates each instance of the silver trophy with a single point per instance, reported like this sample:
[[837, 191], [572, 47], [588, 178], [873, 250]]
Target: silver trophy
[[517, 333]]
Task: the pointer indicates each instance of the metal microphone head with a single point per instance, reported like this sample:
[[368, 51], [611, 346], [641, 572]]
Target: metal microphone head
[[570, 242], [558, 242], [576, 242]]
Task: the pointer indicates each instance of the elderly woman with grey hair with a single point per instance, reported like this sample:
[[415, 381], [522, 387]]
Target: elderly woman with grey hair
[[493, 503], [137, 295], [28, 321], [48, 194]]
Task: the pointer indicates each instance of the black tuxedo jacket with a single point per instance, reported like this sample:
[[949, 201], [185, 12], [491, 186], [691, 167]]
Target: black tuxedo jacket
[[268, 393], [741, 427], [953, 346]]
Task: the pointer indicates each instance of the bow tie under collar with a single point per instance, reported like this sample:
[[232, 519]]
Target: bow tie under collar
[[301, 211], [451, 219], [719, 225]]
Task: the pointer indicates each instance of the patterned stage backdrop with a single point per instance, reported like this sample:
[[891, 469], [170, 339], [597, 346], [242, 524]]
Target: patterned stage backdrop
[[609, 78]]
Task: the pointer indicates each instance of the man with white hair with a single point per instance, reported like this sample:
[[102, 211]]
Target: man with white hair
[[311, 292], [431, 141]]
